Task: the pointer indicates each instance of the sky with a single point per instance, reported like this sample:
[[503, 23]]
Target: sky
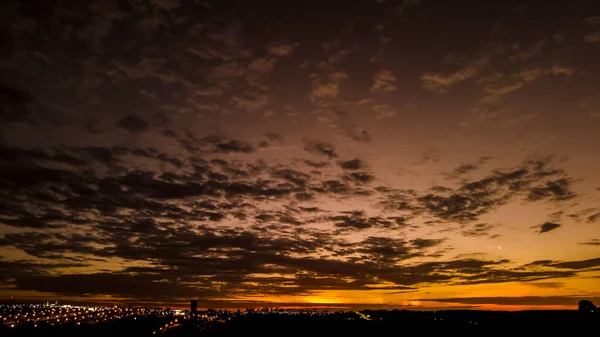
[[402, 154]]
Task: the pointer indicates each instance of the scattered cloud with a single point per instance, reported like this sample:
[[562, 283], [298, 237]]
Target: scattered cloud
[[326, 86], [251, 101], [166, 217], [548, 226], [169, 158], [384, 81], [592, 242], [341, 119], [383, 111], [474, 198], [441, 82], [320, 148], [594, 22], [355, 164], [477, 230], [234, 146], [282, 49]]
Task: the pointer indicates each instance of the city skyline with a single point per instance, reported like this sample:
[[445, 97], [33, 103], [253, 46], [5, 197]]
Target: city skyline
[[410, 154]]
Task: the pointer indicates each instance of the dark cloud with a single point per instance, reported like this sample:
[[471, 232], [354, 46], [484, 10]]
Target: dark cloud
[[133, 123], [320, 148], [477, 230], [343, 120], [384, 250], [456, 207], [317, 164], [23, 268], [355, 164], [181, 255], [234, 146], [576, 265], [465, 168], [357, 220], [271, 138], [592, 242], [292, 176], [583, 264], [425, 243], [360, 177], [361, 136], [558, 190], [473, 198], [548, 226], [440, 189]]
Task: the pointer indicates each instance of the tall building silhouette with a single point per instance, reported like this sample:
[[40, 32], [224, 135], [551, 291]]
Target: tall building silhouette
[[193, 306]]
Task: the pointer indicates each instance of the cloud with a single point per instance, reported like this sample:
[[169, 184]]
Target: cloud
[[557, 190], [535, 180], [593, 37], [341, 119], [320, 148], [593, 218], [355, 164], [548, 226], [359, 135], [528, 64], [326, 86], [441, 82], [477, 230], [383, 41], [319, 164], [263, 65], [251, 101], [360, 177], [271, 138], [298, 178], [384, 81], [577, 265], [592, 242], [338, 55], [384, 110], [283, 49], [133, 123], [467, 168]]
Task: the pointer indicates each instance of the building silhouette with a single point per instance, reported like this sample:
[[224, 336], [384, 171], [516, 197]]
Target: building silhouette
[[193, 306]]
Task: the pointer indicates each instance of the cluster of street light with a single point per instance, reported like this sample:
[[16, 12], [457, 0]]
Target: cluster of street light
[[16, 315], [172, 324], [32, 315]]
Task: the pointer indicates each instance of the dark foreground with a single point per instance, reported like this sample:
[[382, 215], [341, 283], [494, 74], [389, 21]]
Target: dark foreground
[[369, 323]]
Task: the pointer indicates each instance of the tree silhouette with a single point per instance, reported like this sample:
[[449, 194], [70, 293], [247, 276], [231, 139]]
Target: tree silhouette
[[587, 306]]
